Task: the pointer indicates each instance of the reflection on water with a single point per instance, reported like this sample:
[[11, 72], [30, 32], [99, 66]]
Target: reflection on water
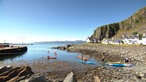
[[39, 51], [10, 56]]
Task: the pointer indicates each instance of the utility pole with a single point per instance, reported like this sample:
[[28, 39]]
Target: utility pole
[[4, 41], [22, 40]]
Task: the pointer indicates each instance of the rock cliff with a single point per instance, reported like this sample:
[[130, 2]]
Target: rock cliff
[[135, 23]]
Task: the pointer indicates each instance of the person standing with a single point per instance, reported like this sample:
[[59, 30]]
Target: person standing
[[127, 60]]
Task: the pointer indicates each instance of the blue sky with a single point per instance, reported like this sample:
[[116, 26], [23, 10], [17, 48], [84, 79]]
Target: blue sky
[[51, 20]]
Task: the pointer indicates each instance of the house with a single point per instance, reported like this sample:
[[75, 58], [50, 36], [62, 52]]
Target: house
[[105, 41], [88, 40], [130, 39], [126, 40], [143, 41], [117, 42], [110, 41], [92, 39], [134, 39]]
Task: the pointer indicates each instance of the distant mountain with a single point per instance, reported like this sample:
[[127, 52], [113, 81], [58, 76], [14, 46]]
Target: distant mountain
[[135, 23], [76, 41]]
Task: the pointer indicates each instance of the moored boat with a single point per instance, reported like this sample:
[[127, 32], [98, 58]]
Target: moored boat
[[12, 50]]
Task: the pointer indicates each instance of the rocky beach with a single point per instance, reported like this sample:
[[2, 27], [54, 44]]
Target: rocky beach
[[73, 41], [114, 53], [58, 70]]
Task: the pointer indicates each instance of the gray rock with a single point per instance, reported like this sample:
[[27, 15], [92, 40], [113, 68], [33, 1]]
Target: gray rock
[[21, 78], [141, 74], [5, 68], [144, 75], [70, 78], [35, 78]]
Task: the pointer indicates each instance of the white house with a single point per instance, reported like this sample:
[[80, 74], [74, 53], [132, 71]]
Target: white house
[[144, 39], [88, 40], [117, 42], [127, 40], [130, 40], [109, 41], [105, 41]]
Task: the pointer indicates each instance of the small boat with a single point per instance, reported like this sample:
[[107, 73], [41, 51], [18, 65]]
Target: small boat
[[55, 53], [10, 50], [49, 57], [87, 62], [83, 58], [119, 64], [113, 62]]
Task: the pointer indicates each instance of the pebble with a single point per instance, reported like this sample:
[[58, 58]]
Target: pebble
[[116, 53]]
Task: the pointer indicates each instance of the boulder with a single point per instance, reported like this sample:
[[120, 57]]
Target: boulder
[[96, 79], [35, 78], [62, 47], [13, 74], [5, 68], [70, 78]]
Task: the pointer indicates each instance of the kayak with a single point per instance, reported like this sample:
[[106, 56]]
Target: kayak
[[88, 62], [83, 58], [113, 62], [119, 64], [52, 57]]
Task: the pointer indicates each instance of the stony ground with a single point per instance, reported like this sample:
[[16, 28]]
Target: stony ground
[[53, 70], [58, 70], [114, 53]]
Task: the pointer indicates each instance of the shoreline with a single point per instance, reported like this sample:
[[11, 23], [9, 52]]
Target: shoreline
[[52, 70], [115, 53], [58, 70]]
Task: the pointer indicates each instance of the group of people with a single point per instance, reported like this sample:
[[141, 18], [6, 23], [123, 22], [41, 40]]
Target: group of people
[[85, 58], [52, 57], [127, 60]]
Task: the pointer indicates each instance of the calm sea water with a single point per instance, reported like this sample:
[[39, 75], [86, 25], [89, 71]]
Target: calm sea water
[[40, 50]]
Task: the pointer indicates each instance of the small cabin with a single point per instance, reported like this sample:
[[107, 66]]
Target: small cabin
[[143, 41], [88, 40]]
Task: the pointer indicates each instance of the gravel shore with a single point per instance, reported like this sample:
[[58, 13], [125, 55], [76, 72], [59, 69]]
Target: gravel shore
[[56, 71], [115, 53]]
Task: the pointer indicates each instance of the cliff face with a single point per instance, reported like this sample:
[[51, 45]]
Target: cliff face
[[135, 23], [106, 31]]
